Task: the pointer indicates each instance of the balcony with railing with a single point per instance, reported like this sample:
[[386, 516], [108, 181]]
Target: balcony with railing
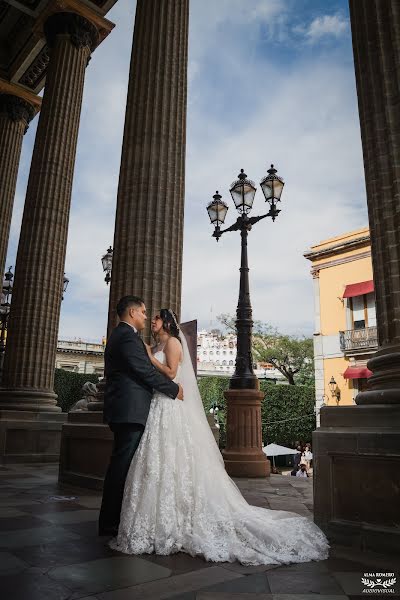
[[359, 340]]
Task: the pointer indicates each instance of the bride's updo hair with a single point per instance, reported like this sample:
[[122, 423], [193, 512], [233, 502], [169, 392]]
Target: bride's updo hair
[[170, 322]]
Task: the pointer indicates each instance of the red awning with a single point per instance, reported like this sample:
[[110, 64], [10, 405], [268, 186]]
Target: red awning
[[357, 373], [358, 289]]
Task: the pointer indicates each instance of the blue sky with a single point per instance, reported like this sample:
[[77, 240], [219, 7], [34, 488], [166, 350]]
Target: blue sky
[[269, 81]]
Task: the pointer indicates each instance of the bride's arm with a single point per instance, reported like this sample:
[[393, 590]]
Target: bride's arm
[[173, 352]]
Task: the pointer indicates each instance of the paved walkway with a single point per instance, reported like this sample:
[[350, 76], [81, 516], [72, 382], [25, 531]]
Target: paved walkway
[[49, 550]]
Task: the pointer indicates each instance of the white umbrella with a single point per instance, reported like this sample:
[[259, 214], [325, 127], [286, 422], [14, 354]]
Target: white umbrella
[[276, 450]]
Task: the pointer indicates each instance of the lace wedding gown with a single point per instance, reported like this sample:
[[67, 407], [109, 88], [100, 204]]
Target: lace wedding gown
[[179, 498]]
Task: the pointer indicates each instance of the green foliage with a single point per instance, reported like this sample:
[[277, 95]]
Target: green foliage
[[68, 385], [287, 412], [291, 355]]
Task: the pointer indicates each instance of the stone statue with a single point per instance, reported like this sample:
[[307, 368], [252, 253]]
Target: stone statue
[[89, 394]]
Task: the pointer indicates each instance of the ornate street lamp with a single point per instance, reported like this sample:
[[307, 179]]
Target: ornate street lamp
[[65, 285], [106, 261], [272, 187], [335, 391], [5, 312], [243, 191], [243, 454]]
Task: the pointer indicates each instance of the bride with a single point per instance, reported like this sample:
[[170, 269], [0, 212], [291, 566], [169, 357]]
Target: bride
[[178, 496]]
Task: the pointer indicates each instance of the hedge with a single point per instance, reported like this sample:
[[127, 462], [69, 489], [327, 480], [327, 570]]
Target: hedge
[[68, 385], [287, 411]]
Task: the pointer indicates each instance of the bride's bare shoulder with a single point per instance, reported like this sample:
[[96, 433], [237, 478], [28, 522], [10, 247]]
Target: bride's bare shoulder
[[174, 347], [173, 343]]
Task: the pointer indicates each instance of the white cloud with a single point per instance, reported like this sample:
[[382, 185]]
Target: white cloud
[[324, 25]]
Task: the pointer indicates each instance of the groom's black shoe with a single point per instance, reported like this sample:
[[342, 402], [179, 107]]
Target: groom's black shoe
[[113, 531]]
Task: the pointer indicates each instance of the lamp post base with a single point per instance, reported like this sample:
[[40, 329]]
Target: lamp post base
[[243, 455]]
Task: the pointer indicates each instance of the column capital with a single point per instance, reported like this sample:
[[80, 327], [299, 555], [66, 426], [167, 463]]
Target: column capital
[[17, 109], [83, 33]]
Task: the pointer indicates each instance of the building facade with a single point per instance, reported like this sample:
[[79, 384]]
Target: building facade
[[216, 355], [80, 357], [345, 334]]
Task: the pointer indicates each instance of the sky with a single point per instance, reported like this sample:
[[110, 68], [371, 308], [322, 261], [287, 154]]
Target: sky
[[270, 81]]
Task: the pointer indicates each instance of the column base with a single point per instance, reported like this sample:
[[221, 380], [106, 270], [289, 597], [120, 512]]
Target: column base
[[384, 384], [244, 465], [28, 437], [243, 455], [86, 446], [356, 476], [26, 399]]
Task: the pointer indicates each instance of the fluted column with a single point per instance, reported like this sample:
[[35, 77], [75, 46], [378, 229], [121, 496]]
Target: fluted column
[[15, 115], [376, 45], [147, 258], [28, 374]]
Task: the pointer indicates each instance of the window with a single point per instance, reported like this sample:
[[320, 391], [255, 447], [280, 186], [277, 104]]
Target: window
[[371, 311], [72, 368], [363, 311], [231, 363], [358, 312]]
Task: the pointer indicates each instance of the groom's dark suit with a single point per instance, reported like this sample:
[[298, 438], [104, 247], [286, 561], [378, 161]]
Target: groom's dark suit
[[130, 380]]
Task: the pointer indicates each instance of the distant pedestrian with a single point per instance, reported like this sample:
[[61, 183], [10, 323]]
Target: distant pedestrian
[[308, 458], [302, 472], [297, 457]]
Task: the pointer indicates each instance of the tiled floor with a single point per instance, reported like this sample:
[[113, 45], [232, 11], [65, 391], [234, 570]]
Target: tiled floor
[[49, 550]]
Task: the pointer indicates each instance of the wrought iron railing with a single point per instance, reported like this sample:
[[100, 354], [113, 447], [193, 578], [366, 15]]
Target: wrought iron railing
[[358, 339]]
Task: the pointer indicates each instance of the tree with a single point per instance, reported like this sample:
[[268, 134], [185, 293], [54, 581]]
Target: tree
[[291, 355], [217, 333], [228, 321]]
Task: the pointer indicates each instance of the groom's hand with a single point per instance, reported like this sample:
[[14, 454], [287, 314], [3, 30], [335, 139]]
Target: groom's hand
[[180, 393]]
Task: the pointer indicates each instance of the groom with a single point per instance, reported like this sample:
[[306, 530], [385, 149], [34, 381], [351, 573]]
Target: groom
[[130, 380]]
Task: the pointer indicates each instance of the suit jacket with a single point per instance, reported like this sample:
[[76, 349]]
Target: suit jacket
[[130, 378]]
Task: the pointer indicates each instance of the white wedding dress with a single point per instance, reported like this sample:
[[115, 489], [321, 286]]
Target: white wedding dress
[[179, 498]]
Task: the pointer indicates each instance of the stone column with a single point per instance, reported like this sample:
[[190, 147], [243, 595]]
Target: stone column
[[147, 258], [15, 115], [28, 374], [356, 449], [376, 45]]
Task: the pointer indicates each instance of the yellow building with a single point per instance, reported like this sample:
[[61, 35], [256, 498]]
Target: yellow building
[[345, 322]]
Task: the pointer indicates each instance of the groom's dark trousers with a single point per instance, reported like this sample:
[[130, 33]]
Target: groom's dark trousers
[[127, 437], [130, 381]]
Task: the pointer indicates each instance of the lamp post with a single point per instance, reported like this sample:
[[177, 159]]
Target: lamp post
[[335, 391], [65, 285], [243, 455], [5, 313], [106, 261]]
